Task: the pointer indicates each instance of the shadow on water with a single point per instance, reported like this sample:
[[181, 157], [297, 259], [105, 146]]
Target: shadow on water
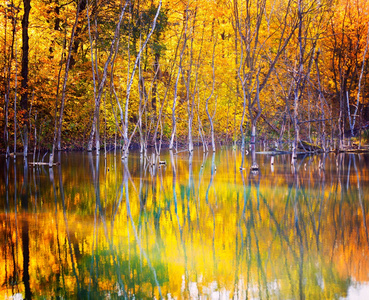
[[196, 226]]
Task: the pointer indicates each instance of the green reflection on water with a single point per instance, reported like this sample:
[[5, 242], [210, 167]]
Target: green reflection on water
[[197, 226]]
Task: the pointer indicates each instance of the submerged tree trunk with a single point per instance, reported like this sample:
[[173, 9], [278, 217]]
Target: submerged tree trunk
[[254, 164]]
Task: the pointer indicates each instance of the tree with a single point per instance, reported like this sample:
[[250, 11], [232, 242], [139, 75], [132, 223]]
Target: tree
[[257, 63], [345, 49], [24, 73], [58, 123], [94, 130]]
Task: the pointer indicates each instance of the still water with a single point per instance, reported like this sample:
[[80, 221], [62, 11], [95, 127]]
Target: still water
[[195, 228]]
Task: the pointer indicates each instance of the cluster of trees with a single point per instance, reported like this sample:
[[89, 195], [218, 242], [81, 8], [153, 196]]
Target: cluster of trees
[[75, 73]]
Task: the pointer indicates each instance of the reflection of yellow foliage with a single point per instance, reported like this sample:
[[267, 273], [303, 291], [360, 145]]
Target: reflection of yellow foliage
[[239, 239]]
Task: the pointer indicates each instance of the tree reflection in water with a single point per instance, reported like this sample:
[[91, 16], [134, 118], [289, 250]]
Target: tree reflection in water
[[197, 226]]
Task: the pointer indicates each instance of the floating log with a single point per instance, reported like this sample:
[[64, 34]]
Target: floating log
[[37, 163], [354, 150], [309, 146], [275, 152]]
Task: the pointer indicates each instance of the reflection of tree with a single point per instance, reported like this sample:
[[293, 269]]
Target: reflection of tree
[[25, 232], [360, 196], [212, 174], [138, 240], [244, 235], [75, 248], [61, 266]]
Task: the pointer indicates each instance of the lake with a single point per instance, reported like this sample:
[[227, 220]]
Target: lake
[[194, 228]]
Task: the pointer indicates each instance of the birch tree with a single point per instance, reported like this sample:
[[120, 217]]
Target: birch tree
[[127, 139], [184, 35], [58, 124], [94, 130]]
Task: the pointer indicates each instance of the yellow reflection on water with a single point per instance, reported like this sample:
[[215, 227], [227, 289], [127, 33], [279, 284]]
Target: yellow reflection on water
[[195, 227]]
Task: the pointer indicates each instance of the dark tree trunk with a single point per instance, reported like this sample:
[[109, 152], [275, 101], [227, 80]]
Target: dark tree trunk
[[56, 27], [24, 72], [77, 39]]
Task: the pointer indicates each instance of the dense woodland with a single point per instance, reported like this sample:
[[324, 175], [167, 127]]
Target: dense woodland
[[94, 74]]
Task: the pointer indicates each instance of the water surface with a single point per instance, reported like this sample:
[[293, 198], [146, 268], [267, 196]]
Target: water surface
[[197, 227]]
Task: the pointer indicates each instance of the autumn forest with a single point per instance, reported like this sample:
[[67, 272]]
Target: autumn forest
[[94, 74], [162, 102]]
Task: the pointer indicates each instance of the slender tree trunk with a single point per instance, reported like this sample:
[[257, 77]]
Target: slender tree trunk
[[174, 124], [35, 139], [141, 92], [155, 87], [127, 140], [237, 88], [15, 101], [207, 100], [7, 72], [352, 124], [211, 125], [91, 49], [24, 73], [102, 85], [203, 141], [254, 120], [296, 127], [322, 100], [6, 132], [191, 96], [58, 128], [298, 83]]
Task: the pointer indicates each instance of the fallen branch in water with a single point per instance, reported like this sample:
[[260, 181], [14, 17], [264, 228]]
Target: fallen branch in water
[[38, 163]]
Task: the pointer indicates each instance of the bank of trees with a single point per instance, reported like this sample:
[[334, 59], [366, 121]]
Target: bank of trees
[[95, 73]]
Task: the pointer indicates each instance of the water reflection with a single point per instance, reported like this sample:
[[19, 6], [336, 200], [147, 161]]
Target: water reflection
[[195, 226]]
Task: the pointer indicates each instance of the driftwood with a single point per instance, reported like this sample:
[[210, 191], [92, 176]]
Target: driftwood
[[352, 150], [274, 152], [38, 163], [309, 146]]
